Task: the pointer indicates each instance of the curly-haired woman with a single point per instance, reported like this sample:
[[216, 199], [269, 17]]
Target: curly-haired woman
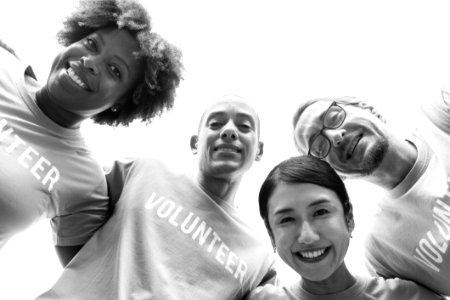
[[113, 69]]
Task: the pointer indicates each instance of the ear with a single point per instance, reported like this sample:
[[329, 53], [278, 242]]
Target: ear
[[194, 144], [351, 225], [260, 151]]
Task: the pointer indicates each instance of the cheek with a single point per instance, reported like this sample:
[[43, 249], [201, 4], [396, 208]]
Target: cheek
[[341, 236], [283, 239], [333, 160]]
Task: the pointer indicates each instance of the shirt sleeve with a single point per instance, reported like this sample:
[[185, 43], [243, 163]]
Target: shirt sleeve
[[438, 111], [115, 178], [409, 290], [78, 226]]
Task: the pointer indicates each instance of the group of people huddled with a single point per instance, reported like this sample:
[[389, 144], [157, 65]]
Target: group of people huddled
[[144, 230]]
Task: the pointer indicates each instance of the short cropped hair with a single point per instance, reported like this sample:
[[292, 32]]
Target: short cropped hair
[[161, 62], [303, 169]]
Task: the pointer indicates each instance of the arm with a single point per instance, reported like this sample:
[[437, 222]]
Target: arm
[[267, 287], [66, 253], [92, 213]]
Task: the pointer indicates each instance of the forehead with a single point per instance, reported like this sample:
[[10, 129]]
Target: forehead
[[118, 42], [310, 122], [298, 197], [233, 108]]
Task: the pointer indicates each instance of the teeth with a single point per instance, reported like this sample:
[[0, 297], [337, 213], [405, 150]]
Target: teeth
[[227, 150], [312, 254], [75, 78]]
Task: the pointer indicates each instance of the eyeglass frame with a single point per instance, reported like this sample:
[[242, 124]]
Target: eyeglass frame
[[320, 133]]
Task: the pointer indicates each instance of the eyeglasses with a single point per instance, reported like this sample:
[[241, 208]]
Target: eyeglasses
[[333, 118]]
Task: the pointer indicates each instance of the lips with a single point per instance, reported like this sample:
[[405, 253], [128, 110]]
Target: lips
[[311, 256], [77, 76], [228, 148], [351, 148]]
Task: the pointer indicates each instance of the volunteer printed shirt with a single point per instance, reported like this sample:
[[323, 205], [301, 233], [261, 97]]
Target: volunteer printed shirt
[[167, 239], [46, 170], [369, 289], [411, 232]]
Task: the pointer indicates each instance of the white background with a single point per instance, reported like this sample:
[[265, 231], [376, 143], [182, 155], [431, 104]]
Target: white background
[[393, 54]]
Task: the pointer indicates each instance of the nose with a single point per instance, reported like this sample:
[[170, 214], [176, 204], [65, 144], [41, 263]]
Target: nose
[[89, 63], [336, 136], [229, 132], [307, 234]]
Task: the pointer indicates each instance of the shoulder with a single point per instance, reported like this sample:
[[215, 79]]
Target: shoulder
[[142, 166], [438, 111], [7, 48], [8, 56], [396, 288], [268, 292], [10, 64]]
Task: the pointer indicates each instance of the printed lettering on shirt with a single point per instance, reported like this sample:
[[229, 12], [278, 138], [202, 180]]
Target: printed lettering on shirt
[[434, 245], [200, 232], [28, 157]]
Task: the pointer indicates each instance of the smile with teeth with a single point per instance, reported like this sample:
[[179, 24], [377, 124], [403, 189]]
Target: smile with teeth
[[227, 149], [76, 79], [312, 254]]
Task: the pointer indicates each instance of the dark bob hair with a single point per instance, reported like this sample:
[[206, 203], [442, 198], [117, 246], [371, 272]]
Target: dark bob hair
[[303, 169]]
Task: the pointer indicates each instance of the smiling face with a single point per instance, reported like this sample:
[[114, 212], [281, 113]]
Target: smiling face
[[228, 140], [309, 229], [92, 74], [357, 147]]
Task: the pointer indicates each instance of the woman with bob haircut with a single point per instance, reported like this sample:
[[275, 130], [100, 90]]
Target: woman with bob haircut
[[309, 218], [112, 69]]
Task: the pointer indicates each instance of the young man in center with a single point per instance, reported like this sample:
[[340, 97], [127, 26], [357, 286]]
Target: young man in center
[[174, 237]]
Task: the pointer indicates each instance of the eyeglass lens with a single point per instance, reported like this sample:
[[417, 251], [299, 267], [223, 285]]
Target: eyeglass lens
[[334, 118]]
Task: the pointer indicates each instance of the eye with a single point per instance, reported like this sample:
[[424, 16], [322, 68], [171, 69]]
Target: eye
[[285, 220], [320, 146], [321, 212], [91, 44], [244, 127], [115, 71], [334, 118], [214, 125]]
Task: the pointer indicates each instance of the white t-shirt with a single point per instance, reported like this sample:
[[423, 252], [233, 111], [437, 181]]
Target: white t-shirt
[[369, 289], [167, 239], [411, 233], [46, 170]]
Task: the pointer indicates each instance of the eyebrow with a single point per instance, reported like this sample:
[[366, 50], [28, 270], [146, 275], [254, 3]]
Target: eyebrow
[[246, 116], [100, 37], [313, 204], [215, 115], [312, 136]]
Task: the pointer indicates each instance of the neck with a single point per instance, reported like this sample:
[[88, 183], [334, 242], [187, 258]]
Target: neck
[[397, 163], [339, 281], [57, 114], [219, 188]]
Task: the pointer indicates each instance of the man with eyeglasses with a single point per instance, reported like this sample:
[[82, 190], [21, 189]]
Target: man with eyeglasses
[[410, 234]]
